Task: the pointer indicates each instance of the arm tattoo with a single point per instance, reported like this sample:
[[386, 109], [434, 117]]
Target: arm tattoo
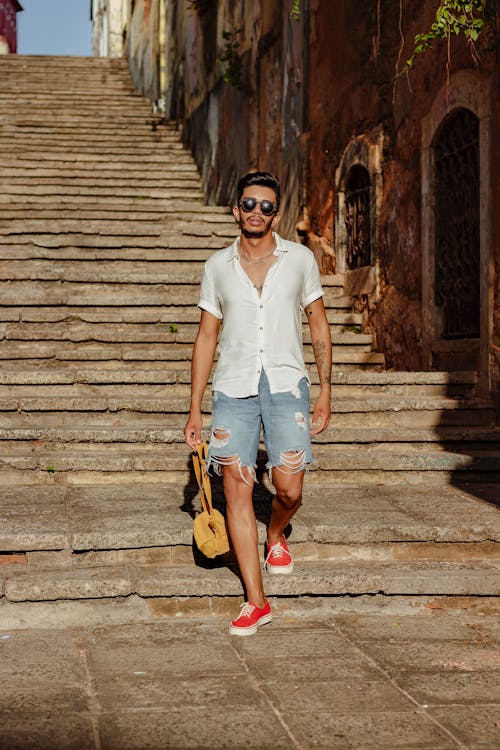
[[320, 351], [319, 348]]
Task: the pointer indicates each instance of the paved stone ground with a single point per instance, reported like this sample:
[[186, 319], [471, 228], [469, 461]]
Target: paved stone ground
[[327, 673]]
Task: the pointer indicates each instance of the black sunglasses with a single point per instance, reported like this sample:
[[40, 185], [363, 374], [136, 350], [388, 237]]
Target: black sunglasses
[[267, 208]]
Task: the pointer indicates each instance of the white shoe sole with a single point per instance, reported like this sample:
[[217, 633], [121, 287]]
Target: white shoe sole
[[253, 629], [279, 570]]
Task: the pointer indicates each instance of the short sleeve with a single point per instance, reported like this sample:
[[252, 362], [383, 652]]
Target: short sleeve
[[311, 289], [209, 300]]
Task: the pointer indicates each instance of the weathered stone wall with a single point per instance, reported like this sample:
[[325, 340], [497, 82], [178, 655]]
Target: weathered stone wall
[[142, 46], [109, 20], [353, 56], [232, 128], [495, 236]]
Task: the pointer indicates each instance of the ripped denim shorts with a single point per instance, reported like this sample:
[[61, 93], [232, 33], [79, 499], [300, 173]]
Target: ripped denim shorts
[[237, 422]]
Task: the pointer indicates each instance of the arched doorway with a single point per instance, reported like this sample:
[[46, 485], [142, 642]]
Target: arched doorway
[[457, 225], [457, 264]]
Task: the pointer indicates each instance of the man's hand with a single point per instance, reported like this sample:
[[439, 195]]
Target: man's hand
[[192, 430], [201, 364], [322, 412]]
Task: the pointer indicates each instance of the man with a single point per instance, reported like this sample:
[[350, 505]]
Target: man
[[257, 288]]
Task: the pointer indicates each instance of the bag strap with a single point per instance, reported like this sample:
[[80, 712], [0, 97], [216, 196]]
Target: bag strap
[[199, 465]]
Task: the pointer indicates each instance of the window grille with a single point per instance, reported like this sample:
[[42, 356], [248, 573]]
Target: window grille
[[357, 218], [457, 237]]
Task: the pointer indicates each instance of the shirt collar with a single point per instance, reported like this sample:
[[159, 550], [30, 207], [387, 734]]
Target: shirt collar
[[233, 249]]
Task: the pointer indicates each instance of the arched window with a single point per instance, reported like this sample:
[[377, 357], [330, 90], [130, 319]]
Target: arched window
[[457, 222], [357, 218]]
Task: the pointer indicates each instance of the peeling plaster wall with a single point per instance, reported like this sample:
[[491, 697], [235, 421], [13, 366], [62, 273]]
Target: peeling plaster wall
[[142, 46], [109, 19], [231, 129]]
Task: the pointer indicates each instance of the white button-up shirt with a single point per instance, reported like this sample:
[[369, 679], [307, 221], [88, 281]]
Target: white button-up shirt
[[260, 332]]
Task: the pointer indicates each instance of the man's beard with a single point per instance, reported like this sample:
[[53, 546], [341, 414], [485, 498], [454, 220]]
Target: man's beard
[[255, 234]]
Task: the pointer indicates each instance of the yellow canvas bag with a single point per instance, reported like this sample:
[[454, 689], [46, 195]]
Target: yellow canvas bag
[[209, 527]]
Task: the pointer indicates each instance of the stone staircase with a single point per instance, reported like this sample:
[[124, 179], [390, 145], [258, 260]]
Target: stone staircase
[[103, 234]]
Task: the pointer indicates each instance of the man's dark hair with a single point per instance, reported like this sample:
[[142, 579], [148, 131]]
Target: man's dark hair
[[264, 179]]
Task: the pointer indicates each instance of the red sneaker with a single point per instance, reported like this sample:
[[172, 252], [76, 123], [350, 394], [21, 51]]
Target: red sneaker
[[250, 618], [279, 560]]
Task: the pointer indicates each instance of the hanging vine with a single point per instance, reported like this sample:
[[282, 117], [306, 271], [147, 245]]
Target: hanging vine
[[295, 11], [453, 18], [231, 59]]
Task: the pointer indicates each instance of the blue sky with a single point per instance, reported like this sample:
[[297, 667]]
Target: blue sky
[[54, 27]]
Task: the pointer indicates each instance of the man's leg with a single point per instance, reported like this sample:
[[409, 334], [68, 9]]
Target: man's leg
[[234, 441], [285, 416], [288, 499], [240, 516]]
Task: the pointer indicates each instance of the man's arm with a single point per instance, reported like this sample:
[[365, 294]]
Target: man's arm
[[201, 365], [322, 347]]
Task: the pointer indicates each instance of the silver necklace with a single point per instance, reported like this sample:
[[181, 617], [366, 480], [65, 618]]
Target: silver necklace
[[256, 260]]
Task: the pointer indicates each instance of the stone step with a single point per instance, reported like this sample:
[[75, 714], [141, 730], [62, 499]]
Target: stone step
[[160, 398], [136, 333], [75, 471], [374, 410], [63, 63], [28, 70], [118, 135], [122, 107], [141, 128], [121, 314], [318, 578], [153, 233], [84, 427], [102, 178], [114, 127], [215, 237], [416, 383], [158, 519], [157, 382], [171, 168], [164, 165], [17, 100], [39, 88], [34, 205], [170, 156], [149, 130], [340, 322], [175, 385], [170, 457], [175, 192], [172, 193], [82, 113], [136, 211], [169, 226], [25, 102], [46, 147], [159, 353], [33, 105], [50, 293]]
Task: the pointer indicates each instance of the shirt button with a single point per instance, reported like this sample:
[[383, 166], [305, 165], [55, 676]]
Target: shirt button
[[261, 306], [262, 351], [261, 329]]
